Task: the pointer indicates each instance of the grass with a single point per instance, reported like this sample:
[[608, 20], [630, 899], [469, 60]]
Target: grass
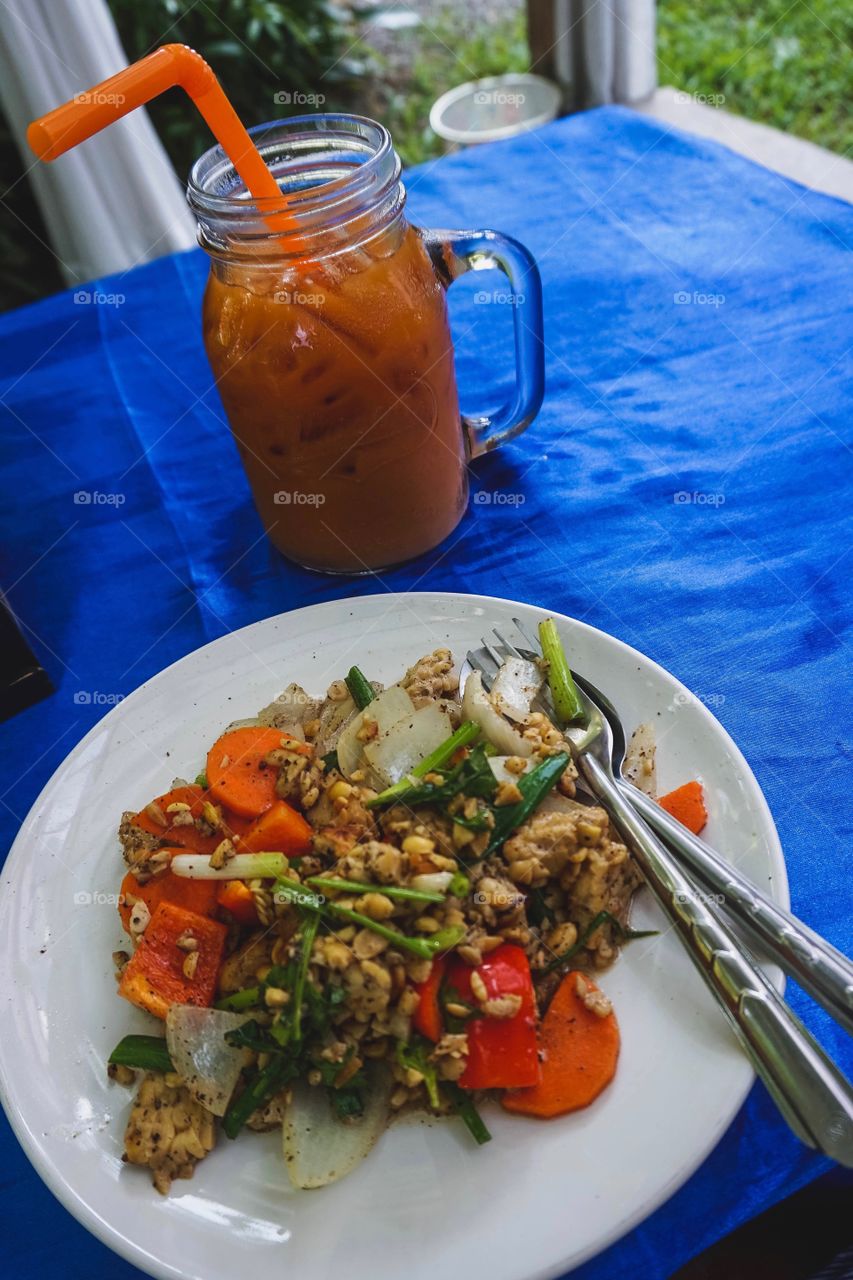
[[784, 64]]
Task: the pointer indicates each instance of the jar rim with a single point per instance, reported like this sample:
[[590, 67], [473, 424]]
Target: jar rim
[[214, 166]]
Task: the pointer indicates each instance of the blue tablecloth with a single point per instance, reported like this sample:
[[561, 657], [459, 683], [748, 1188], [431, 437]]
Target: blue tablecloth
[[686, 487]]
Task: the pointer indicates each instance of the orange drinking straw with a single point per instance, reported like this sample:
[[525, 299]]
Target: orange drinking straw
[[169, 66]]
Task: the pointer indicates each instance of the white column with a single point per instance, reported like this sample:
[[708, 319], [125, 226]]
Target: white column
[[115, 200], [598, 50]]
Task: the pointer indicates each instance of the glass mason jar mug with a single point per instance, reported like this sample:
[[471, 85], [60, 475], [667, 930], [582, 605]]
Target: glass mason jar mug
[[326, 328]]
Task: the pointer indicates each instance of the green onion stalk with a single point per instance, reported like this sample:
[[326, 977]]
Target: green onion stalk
[[360, 688], [144, 1053], [425, 948], [534, 786], [566, 699]]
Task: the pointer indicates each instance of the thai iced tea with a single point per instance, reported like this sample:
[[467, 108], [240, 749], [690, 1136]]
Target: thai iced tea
[[325, 320], [338, 382]]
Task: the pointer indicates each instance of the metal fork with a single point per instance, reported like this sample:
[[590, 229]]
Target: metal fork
[[813, 962], [819, 968], [810, 1091]]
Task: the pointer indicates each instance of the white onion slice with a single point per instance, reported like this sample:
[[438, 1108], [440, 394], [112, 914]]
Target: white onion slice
[[476, 706], [409, 741], [516, 685], [333, 717], [318, 1147], [243, 866], [195, 1038], [386, 709], [639, 766]]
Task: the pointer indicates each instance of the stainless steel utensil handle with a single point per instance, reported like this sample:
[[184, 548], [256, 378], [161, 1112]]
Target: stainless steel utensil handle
[[817, 966], [809, 1090]]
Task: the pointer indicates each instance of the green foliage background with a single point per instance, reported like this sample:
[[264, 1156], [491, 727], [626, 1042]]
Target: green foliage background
[[258, 48], [785, 63]]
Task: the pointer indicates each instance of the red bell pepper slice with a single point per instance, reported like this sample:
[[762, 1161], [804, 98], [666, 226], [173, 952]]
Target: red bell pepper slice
[[427, 1016], [503, 1053]]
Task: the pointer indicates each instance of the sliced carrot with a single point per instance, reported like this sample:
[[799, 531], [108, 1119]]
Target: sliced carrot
[[156, 975], [183, 833], [687, 804], [195, 895], [579, 1054], [236, 773], [237, 897], [235, 822], [280, 830]]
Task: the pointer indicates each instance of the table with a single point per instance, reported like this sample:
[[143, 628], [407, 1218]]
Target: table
[[686, 487]]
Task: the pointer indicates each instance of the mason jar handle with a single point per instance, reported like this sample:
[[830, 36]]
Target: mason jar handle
[[455, 252]]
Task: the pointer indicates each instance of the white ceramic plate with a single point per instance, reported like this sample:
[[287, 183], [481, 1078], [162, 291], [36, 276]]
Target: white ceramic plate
[[542, 1196]]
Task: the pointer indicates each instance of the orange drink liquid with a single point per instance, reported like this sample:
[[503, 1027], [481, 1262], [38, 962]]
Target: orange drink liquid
[[340, 389]]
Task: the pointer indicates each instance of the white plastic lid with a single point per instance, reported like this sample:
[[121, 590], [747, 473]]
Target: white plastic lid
[[493, 108]]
